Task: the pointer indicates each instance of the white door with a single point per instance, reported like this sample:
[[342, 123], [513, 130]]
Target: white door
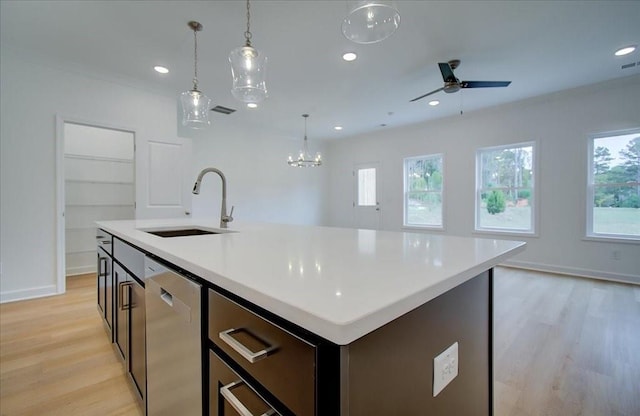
[[367, 196], [164, 179]]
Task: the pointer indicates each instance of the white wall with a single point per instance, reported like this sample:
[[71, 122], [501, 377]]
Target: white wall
[[260, 184], [560, 123], [33, 93]]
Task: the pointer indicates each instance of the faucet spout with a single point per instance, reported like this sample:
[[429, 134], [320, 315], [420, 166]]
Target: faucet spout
[[224, 218]]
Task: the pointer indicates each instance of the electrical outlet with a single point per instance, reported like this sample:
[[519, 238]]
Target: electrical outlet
[[445, 368]]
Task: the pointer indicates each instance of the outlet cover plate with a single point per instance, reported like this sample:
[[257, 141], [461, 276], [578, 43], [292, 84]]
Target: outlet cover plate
[[445, 368]]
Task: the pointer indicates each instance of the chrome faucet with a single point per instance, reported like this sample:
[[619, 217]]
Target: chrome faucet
[[224, 218]]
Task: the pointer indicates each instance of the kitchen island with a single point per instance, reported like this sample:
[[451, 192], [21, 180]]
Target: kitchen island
[[374, 308]]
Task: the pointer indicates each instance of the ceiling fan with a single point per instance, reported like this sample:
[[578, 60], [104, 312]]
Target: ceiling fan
[[453, 84]]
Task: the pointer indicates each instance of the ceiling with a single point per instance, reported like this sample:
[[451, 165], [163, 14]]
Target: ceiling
[[541, 46]]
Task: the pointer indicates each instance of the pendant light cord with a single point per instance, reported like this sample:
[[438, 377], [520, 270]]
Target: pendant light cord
[[305, 146], [305, 125], [247, 34], [195, 59]]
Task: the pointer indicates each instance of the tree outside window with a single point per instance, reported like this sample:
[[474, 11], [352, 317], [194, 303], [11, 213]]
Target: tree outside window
[[614, 186], [505, 188], [423, 187]]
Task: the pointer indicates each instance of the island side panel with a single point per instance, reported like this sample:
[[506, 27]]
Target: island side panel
[[390, 371]]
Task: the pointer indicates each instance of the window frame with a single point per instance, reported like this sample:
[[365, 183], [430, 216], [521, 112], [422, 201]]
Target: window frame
[[533, 230], [405, 198], [590, 194]]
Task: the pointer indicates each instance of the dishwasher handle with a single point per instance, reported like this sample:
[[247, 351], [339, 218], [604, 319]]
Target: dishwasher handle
[[170, 300], [166, 297]]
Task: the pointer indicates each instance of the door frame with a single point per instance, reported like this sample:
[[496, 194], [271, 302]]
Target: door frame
[[61, 285], [379, 192]]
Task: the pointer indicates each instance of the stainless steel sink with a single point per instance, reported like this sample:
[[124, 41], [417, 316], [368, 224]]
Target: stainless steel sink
[[185, 232]]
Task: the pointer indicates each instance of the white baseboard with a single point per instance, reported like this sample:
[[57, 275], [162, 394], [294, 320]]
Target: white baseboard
[[73, 271], [574, 271], [32, 293]]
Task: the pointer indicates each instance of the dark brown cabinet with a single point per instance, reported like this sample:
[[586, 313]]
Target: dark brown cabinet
[[122, 316], [281, 362], [121, 303], [105, 279], [137, 345], [230, 394], [129, 312]]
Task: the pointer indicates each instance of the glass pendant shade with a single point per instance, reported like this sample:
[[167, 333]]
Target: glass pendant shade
[[195, 105], [195, 109], [248, 69], [370, 21]]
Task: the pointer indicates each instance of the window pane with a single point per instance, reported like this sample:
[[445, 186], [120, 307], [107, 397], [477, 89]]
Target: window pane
[[507, 167], [367, 187], [616, 210], [423, 191], [615, 178], [424, 174], [424, 208], [501, 212], [506, 188]]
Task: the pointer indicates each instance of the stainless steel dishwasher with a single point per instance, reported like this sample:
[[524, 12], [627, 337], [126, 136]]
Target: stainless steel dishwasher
[[174, 367]]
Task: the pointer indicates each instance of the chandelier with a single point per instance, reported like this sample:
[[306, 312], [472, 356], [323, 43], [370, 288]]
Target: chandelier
[[304, 159]]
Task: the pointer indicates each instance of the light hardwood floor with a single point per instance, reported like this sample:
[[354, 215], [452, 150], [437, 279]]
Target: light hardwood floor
[[563, 346], [55, 357]]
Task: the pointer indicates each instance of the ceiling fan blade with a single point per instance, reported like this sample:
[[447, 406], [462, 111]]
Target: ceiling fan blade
[[484, 84], [447, 72], [427, 94]]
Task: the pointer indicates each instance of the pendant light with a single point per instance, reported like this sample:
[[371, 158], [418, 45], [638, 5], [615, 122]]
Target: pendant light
[[304, 159], [248, 69], [195, 105], [370, 21]]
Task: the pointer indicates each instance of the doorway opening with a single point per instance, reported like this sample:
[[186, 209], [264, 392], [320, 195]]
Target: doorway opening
[[96, 181]]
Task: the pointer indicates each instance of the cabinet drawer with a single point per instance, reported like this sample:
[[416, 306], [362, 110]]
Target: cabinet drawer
[[130, 257], [230, 395], [104, 240], [281, 362]]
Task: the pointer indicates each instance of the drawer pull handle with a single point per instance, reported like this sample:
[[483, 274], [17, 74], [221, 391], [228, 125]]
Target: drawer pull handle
[[249, 355], [237, 404], [124, 305]]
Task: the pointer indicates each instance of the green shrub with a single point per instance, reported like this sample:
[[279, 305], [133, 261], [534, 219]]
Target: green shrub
[[496, 202], [524, 194], [633, 201]]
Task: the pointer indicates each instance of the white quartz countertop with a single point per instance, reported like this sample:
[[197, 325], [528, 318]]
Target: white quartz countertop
[[339, 283]]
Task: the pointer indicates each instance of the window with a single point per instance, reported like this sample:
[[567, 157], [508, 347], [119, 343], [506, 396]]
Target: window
[[505, 188], [367, 187], [613, 205], [423, 184]]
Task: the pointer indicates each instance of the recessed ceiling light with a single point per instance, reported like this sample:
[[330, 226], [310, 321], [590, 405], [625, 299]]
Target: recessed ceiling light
[[349, 56], [337, 128], [161, 69], [626, 50], [252, 105], [434, 103]]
